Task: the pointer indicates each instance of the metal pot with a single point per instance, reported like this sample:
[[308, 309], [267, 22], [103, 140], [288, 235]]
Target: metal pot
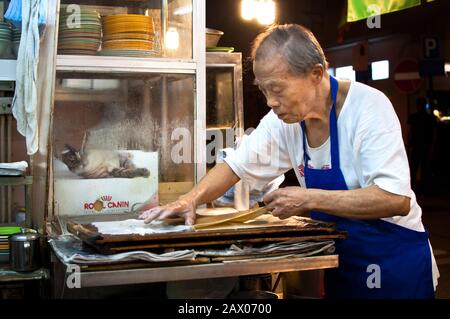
[[24, 252]]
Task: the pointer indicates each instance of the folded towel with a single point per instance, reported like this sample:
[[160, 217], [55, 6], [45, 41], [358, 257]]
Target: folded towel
[[22, 166], [13, 169]]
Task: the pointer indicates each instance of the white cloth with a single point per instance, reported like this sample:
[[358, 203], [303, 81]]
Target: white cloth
[[25, 97], [13, 169], [21, 166], [371, 151], [137, 226]]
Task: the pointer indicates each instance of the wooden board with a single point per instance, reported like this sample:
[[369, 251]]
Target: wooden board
[[262, 230], [206, 222], [266, 224], [140, 265]]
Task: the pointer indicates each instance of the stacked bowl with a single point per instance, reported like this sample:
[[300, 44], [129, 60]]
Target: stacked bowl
[[79, 34], [131, 35], [5, 40], [16, 34]]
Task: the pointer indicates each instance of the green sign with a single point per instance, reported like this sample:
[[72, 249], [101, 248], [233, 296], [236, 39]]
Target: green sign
[[362, 9]]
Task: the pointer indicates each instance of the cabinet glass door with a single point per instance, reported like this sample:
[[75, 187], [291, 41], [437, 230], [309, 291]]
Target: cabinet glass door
[[220, 102], [117, 136], [224, 113]]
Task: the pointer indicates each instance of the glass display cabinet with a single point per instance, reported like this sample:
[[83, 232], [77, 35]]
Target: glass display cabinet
[[125, 113]]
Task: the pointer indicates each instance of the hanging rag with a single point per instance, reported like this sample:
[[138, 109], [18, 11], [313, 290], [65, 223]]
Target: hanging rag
[[25, 97]]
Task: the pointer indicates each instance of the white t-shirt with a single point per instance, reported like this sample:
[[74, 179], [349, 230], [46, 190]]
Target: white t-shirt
[[371, 152]]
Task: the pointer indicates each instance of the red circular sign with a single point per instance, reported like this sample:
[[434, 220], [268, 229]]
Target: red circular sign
[[407, 77]]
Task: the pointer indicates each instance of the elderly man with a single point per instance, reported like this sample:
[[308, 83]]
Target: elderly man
[[344, 141]]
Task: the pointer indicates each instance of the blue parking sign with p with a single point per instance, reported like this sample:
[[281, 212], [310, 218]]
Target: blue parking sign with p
[[431, 48]]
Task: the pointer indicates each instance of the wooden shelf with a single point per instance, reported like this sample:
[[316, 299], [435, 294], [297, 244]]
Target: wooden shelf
[[243, 267], [16, 181]]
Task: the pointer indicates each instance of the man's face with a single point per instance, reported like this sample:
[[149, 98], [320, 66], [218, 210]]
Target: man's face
[[291, 97]]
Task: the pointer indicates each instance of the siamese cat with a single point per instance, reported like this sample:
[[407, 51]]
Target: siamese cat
[[101, 163]]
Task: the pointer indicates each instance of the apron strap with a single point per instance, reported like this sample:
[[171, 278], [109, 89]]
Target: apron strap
[[335, 161]]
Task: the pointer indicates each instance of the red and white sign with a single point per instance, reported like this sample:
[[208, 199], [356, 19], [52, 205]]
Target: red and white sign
[[407, 77]]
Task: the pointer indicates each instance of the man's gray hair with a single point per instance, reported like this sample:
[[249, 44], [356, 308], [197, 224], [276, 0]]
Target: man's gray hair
[[294, 43]]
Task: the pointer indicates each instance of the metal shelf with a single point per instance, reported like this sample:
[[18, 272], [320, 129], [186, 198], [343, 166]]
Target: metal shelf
[[109, 64], [8, 275], [62, 95], [112, 3], [16, 181]]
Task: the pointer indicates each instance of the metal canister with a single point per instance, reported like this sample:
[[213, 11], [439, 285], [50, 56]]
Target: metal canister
[[24, 251]]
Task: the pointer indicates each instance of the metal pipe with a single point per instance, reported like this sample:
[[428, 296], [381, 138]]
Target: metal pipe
[[146, 115], [9, 202], [2, 160], [164, 25], [165, 147], [2, 138]]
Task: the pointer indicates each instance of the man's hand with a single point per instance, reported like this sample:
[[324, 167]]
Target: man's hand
[[287, 202], [183, 207], [212, 186]]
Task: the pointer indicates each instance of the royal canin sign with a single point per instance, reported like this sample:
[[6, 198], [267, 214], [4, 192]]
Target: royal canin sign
[[105, 202]]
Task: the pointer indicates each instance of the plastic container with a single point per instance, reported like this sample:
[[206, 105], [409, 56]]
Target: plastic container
[[212, 37]]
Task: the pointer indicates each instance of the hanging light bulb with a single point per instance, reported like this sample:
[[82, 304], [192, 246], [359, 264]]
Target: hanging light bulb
[[172, 39], [266, 11], [248, 9]]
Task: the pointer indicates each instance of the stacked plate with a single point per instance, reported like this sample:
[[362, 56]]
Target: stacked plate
[[5, 40], [79, 35], [16, 34], [128, 35], [5, 232]]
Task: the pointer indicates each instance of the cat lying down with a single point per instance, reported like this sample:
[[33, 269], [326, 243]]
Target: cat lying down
[[101, 163]]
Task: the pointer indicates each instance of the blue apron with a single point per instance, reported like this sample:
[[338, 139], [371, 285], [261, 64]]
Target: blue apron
[[378, 259]]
